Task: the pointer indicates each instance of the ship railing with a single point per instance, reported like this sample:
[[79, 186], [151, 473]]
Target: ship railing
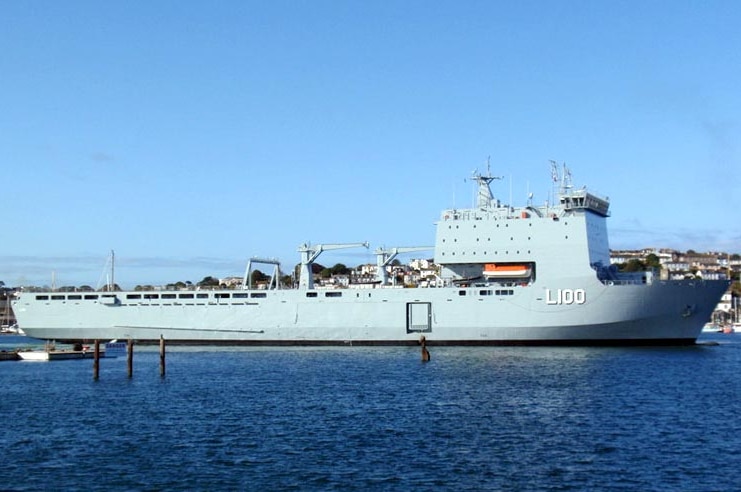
[[632, 278], [622, 282]]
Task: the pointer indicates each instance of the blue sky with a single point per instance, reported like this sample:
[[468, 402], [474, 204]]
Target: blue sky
[[190, 136]]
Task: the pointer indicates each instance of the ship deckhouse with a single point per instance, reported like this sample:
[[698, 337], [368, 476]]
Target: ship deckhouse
[[498, 242]]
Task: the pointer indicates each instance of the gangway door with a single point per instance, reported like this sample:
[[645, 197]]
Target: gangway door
[[419, 317]]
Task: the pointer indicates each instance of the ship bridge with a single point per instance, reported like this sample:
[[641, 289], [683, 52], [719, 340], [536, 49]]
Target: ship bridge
[[583, 200]]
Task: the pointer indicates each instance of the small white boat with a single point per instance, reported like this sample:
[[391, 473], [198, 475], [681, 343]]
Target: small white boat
[[52, 353], [712, 328]]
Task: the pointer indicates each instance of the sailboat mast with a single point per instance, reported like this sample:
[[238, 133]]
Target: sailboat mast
[[113, 262]]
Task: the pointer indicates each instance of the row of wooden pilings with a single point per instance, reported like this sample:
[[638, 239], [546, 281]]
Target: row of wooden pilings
[[129, 358]]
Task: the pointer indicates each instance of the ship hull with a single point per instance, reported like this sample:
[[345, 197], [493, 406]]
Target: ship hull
[[577, 311]]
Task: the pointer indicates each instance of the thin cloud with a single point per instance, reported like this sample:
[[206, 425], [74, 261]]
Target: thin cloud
[[102, 157], [89, 270]]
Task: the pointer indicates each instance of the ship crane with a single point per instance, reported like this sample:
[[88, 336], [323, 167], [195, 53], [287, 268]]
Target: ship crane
[[274, 278], [384, 257], [310, 253]]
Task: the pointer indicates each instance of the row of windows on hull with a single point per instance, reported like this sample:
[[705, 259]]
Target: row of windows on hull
[[216, 295], [473, 253]]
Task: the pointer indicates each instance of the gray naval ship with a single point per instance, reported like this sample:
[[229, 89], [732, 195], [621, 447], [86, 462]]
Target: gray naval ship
[[536, 275]]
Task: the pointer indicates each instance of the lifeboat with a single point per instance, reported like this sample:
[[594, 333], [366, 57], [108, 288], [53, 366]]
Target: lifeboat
[[499, 270]]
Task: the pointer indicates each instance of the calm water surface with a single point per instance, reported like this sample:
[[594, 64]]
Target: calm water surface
[[378, 419]]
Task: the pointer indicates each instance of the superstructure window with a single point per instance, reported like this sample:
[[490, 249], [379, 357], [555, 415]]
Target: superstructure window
[[185, 296], [151, 296], [57, 298], [240, 295], [133, 296], [42, 298], [168, 296], [222, 295], [74, 297], [333, 294], [91, 297], [258, 294], [311, 294]]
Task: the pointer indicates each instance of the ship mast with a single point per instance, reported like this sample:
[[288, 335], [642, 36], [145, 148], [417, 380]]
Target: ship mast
[[485, 197], [113, 262]]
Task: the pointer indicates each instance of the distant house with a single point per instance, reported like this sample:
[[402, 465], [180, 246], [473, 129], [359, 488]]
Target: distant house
[[231, 282]]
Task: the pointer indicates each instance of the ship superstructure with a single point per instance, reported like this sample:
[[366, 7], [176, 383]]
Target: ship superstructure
[[507, 275]]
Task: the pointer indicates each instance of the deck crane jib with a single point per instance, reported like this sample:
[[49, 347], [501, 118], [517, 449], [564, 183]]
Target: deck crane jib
[[384, 257], [273, 283], [309, 254]]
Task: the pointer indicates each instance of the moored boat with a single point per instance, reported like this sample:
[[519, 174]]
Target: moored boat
[[506, 275], [50, 352]]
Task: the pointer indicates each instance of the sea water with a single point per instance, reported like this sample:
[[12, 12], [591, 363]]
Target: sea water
[[359, 418]]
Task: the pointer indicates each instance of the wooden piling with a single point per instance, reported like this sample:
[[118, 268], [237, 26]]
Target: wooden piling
[[425, 352], [130, 358], [162, 356], [96, 360]]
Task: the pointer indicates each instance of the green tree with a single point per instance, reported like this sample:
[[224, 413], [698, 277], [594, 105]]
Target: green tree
[[634, 265], [179, 285], [286, 280], [652, 261], [257, 276], [209, 282], [339, 269]]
